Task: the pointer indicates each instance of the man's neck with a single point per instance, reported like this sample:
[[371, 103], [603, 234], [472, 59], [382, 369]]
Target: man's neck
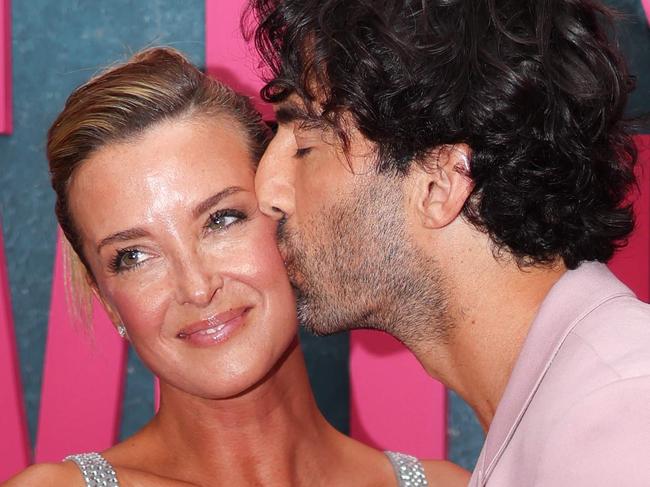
[[492, 310]]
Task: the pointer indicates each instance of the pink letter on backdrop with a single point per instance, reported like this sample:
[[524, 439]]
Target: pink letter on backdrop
[[632, 263], [646, 7], [228, 57], [14, 441], [83, 380], [394, 403], [5, 67]]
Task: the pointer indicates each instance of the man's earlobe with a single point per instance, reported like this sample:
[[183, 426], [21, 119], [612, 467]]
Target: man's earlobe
[[442, 185]]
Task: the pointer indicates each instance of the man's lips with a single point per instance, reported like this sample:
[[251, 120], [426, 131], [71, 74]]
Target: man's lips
[[213, 324], [288, 257]]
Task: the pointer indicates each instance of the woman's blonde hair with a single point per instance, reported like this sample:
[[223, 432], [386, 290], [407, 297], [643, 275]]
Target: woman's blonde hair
[[155, 85]]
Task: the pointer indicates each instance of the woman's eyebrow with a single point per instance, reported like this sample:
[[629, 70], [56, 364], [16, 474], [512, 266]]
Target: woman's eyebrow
[[123, 236], [213, 200], [139, 232]]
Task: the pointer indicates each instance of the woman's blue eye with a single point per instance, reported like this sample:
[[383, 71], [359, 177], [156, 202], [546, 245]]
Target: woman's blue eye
[[217, 222], [126, 259], [223, 219], [131, 258]]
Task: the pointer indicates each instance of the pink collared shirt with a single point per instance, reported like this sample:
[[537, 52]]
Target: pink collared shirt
[[576, 410]]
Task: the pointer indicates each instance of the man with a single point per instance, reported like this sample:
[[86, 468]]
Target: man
[[454, 173]]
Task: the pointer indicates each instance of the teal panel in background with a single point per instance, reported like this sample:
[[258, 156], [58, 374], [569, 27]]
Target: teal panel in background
[[58, 45], [634, 37]]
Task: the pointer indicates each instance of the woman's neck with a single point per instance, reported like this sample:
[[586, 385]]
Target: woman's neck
[[268, 435]]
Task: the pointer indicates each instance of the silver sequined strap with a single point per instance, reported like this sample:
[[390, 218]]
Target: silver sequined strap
[[408, 469], [97, 472]]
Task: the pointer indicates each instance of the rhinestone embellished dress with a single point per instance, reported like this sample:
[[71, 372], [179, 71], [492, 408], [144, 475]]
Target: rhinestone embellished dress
[[97, 472], [408, 469]]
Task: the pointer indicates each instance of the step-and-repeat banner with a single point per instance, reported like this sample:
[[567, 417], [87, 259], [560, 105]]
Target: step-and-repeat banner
[[392, 402]]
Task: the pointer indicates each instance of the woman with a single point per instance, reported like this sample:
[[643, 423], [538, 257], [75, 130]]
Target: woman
[[153, 168]]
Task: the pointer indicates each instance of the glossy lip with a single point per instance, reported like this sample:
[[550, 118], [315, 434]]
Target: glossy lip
[[214, 329]]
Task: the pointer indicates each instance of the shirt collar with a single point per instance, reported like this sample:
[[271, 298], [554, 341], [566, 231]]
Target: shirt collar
[[575, 294]]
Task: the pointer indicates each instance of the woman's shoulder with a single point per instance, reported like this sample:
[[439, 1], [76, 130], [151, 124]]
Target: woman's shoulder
[[444, 473], [48, 475]]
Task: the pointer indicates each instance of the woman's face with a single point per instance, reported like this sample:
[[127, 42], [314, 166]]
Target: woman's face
[[182, 256]]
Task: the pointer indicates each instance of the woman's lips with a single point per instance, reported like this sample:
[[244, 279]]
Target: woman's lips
[[215, 329]]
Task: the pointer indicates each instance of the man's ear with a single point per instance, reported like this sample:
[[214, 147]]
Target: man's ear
[[441, 184]]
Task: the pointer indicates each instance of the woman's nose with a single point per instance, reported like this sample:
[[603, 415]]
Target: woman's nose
[[197, 284]]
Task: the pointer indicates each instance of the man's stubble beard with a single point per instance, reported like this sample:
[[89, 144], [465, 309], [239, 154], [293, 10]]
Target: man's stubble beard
[[355, 267]]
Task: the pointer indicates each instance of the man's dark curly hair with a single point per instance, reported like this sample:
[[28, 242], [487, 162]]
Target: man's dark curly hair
[[536, 88]]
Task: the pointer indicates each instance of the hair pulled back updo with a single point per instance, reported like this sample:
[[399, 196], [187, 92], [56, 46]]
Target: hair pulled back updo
[[155, 85]]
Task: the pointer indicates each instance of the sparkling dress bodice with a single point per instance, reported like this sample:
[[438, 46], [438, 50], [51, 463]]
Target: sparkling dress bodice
[[97, 472], [408, 469]]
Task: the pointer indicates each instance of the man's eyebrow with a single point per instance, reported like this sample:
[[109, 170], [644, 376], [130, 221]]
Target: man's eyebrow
[[289, 112], [139, 232], [123, 236], [213, 200]]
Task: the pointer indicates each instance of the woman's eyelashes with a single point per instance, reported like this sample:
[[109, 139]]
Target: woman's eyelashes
[[126, 260], [222, 219], [132, 257]]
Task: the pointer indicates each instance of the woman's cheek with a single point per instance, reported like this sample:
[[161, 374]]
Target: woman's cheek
[[266, 251], [273, 280], [140, 306]]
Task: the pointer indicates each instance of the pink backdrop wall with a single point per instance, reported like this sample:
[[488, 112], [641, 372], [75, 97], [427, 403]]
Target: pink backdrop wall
[[14, 443], [227, 56], [393, 403], [81, 405], [632, 264]]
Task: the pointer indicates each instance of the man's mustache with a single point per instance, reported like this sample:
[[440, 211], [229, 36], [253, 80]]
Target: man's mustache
[[281, 231]]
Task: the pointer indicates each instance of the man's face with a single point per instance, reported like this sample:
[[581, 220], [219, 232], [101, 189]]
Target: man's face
[[342, 232]]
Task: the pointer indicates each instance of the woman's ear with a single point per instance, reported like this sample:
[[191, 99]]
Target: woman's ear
[[110, 310], [441, 184]]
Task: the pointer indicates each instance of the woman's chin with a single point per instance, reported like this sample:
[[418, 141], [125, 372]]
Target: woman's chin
[[233, 378]]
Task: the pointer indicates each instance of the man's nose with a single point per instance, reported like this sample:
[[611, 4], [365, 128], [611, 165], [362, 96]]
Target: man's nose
[[197, 283], [274, 180]]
